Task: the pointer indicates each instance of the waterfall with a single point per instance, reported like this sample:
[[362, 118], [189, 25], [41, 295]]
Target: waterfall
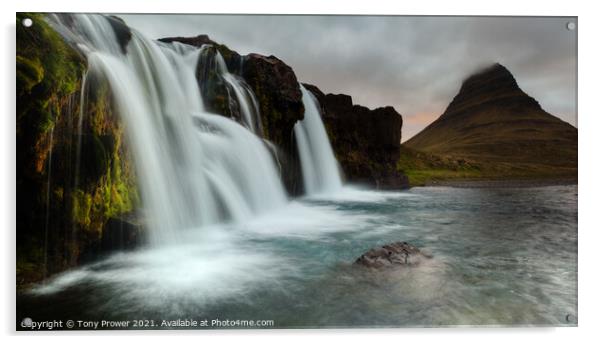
[[319, 166], [194, 168], [245, 98], [48, 190]]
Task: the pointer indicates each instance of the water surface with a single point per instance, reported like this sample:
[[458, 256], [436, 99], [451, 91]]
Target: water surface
[[502, 256]]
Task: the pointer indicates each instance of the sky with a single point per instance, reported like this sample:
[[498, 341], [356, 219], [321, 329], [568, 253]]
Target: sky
[[415, 64]]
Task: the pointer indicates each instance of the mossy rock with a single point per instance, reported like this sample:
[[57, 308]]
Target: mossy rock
[[65, 207], [29, 73]]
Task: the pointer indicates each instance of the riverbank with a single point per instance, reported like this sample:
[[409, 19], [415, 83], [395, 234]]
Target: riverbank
[[497, 183], [426, 169]]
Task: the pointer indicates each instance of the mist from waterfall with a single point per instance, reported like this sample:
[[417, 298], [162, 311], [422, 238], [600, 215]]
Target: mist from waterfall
[[319, 166], [194, 168]]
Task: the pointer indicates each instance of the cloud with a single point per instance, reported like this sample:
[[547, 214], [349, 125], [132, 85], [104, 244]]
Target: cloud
[[415, 64]]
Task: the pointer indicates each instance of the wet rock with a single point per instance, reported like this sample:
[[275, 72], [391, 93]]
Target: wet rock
[[232, 58], [280, 102], [122, 233], [278, 94], [394, 254], [197, 41], [65, 194], [122, 32], [366, 142]]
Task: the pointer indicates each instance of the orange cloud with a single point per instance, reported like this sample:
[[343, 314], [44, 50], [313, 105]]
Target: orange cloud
[[420, 118]]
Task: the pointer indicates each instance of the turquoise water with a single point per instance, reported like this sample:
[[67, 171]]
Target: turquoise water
[[502, 256]]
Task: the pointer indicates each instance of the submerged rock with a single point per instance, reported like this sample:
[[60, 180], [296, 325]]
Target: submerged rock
[[394, 254]]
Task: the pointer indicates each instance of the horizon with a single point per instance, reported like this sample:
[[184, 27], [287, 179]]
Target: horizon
[[539, 51]]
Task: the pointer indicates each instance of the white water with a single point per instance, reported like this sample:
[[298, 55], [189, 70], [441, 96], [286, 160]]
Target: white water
[[319, 166], [246, 101], [194, 168], [238, 89]]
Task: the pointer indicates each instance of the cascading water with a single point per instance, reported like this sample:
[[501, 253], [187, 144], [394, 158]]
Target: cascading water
[[319, 166], [194, 168], [244, 97], [49, 181]]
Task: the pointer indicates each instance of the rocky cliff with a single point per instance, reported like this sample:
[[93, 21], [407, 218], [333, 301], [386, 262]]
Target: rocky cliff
[[74, 173], [366, 142], [493, 122]]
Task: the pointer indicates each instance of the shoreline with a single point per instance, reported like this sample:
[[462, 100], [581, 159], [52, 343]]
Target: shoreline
[[499, 183]]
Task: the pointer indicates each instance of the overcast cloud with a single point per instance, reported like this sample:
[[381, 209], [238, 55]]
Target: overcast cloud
[[415, 64]]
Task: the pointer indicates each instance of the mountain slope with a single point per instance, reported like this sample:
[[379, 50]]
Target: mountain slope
[[491, 120]]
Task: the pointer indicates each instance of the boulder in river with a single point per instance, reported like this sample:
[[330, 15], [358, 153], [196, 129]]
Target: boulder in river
[[394, 254]]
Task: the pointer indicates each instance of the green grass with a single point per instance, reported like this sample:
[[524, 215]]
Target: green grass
[[424, 177], [423, 168], [427, 168]]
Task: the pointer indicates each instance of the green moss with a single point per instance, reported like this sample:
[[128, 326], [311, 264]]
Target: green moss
[[47, 71], [29, 73], [82, 204], [119, 192], [45, 120], [61, 64]]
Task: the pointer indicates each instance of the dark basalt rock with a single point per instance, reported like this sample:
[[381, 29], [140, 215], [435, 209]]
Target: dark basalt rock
[[214, 89], [197, 41], [122, 32], [366, 142], [122, 233], [232, 58], [390, 255], [277, 89], [280, 102]]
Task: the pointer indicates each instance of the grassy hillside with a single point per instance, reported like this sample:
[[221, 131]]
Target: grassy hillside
[[500, 129]]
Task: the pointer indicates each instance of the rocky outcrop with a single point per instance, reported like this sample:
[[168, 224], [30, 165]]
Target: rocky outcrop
[[391, 255], [197, 41], [280, 102], [122, 32], [366, 142], [492, 121], [73, 173]]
